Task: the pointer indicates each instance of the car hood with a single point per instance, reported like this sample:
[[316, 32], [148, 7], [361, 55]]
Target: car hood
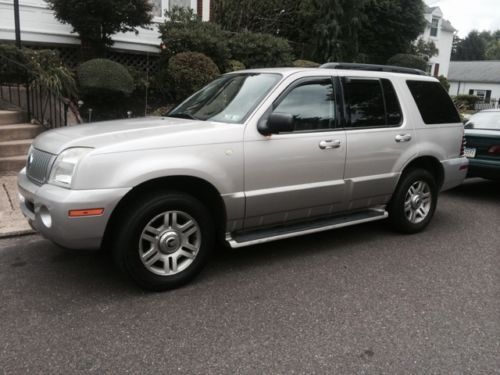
[[138, 134]]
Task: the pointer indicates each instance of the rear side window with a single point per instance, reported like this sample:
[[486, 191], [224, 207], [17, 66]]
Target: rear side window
[[394, 115], [433, 102], [371, 103]]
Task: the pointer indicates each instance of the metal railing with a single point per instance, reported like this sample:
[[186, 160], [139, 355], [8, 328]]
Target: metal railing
[[490, 104], [42, 105]]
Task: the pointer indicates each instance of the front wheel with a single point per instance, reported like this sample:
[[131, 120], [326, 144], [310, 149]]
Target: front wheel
[[414, 202], [164, 240]]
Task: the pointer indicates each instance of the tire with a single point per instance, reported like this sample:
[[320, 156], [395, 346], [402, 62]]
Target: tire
[[414, 201], [163, 240]]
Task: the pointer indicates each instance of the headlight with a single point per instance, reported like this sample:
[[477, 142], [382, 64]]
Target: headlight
[[65, 165]]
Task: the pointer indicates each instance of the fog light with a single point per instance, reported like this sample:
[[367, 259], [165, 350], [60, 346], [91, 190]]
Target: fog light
[[20, 197], [45, 216]]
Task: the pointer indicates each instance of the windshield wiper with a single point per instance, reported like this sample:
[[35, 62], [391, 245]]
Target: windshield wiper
[[183, 115]]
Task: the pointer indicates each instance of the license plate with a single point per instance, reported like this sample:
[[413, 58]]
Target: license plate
[[470, 152]]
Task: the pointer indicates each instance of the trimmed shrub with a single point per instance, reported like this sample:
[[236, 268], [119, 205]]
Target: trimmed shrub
[[184, 32], [444, 82], [408, 61], [260, 50], [234, 65], [305, 64], [465, 101], [104, 79], [189, 72]]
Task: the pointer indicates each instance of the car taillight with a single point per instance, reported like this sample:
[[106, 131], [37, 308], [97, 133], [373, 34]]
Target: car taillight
[[495, 150], [462, 145]]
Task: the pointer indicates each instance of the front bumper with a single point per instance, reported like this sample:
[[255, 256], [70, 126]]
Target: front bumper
[[489, 169], [47, 206], [455, 171]]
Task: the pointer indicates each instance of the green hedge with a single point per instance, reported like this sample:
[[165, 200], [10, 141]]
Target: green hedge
[[408, 61], [260, 50], [234, 65], [189, 72], [305, 64], [105, 79], [465, 101]]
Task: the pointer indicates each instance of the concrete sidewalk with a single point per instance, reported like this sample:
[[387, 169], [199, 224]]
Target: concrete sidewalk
[[12, 221]]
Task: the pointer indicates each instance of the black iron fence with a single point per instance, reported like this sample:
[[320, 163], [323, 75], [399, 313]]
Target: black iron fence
[[40, 104]]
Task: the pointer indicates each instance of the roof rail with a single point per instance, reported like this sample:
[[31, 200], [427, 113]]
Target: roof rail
[[373, 67]]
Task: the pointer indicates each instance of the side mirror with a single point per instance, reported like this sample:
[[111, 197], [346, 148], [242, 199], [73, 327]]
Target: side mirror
[[276, 123]]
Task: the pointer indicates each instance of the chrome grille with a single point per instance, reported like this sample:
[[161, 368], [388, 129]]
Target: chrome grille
[[38, 166]]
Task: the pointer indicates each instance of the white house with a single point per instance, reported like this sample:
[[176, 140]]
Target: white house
[[481, 78], [441, 32], [39, 26]]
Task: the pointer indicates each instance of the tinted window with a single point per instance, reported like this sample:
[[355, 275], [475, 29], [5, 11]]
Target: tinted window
[[365, 102], [433, 102], [312, 105], [393, 109]]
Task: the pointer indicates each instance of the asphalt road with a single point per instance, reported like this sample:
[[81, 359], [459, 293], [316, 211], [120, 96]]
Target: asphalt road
[[359, 300]]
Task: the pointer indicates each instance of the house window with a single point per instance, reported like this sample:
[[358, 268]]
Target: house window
[[434, 26], [157, 9], [179, 4], [160, 6]]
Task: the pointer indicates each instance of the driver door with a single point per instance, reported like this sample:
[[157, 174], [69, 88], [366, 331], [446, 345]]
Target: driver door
[[297, 175]]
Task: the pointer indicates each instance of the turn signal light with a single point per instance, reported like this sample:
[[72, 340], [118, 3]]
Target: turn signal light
[[86, 212], [495, 150]]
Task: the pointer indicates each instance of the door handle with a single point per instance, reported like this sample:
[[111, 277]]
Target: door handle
[[402, 138], [329, 143]]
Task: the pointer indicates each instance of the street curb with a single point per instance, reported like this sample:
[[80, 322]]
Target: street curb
[[19, 233]]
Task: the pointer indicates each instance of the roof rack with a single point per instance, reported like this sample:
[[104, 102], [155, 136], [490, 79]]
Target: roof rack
[[373, 67]]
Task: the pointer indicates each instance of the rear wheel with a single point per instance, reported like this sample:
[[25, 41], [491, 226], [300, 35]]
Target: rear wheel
[[414, 201], [164, 240]]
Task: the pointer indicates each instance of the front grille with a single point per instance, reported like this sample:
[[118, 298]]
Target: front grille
[[38, 166]]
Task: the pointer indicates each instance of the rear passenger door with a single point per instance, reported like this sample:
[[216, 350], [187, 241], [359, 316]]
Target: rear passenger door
[[379, 140]]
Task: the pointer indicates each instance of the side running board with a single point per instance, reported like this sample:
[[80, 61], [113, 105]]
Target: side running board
[[243, 239]]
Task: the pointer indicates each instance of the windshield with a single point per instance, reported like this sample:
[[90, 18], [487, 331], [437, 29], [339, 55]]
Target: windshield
[[230, 98], [484, 120]]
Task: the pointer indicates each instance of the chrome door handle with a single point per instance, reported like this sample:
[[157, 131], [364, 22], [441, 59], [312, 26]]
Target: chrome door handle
[[329, 143], [402, 138]]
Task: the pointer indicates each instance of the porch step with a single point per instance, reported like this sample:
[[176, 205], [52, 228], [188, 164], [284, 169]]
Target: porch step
[[277, 233], [15, 148], [19, 131], [12, 163], [11, 117]]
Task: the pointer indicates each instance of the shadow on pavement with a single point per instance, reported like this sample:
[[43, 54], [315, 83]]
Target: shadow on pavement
[[477, 189]]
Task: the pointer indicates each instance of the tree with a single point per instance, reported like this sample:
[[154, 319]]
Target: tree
[[330, 30], [471, 48], [493, 51], [408, 61], [96, 20], [389, 27], [426, 50]]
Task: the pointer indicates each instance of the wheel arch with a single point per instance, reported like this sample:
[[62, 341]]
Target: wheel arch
[[429, 163], [194, 186]]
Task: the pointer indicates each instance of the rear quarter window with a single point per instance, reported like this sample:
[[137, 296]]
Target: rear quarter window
[[433, 102]]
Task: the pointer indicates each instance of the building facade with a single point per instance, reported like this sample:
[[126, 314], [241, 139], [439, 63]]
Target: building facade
[[40, 27], [480, 78], [441, 32]]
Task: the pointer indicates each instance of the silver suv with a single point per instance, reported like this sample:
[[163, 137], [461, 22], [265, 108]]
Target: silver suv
[[255, 156]]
